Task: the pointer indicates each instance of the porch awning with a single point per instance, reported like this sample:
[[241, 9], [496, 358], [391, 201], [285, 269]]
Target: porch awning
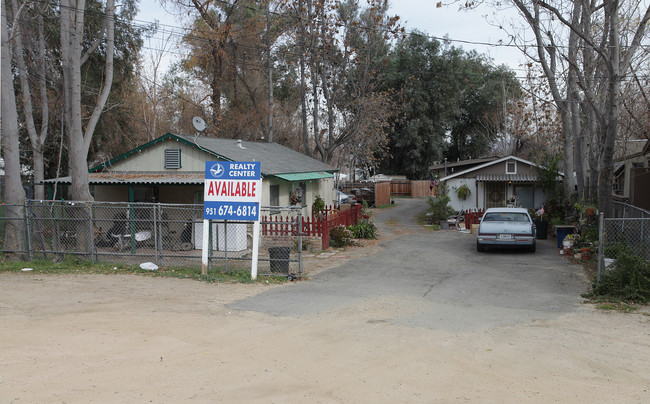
[[506, 178], [126, 178], [304, 176]]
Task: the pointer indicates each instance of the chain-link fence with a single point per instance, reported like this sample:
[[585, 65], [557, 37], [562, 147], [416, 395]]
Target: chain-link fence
[[630, 232], [628, 229], [166, 234]]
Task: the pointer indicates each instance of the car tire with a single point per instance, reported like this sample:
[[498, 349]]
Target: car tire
[[533, 247], [479, 247]]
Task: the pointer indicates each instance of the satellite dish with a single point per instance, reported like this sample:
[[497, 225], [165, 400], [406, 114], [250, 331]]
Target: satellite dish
[[199, 123]]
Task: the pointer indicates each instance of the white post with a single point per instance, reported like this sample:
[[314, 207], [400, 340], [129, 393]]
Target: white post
[[204, 249], [256, 246]]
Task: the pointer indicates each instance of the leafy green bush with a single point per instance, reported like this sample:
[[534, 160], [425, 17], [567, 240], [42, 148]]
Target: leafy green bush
[[340, 236], [439, 208], [629, 281], [318, 205], [364, 229]]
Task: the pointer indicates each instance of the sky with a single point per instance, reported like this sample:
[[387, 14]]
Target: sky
[[466, 29]]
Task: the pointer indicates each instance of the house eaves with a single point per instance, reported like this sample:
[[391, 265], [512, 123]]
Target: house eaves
[[451, 164]]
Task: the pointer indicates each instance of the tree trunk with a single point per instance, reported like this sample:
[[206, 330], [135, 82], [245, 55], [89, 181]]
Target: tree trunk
[[302, 32], [37, 139], [72, 28], [567, 137], [269, 73], [216, 87], [14, 237], [611, 129]]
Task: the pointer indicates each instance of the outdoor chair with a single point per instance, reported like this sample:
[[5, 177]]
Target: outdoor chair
[[456, 220]]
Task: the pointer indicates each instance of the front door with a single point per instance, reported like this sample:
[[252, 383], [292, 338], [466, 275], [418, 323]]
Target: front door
[[495, 194]]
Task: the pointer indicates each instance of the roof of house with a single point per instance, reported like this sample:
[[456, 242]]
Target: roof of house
[[500, 177], [276, 159], [461, 163]]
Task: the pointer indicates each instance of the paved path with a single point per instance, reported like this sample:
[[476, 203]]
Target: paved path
[[435, 280]]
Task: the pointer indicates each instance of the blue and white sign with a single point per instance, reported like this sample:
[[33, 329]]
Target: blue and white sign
[[233, 190]]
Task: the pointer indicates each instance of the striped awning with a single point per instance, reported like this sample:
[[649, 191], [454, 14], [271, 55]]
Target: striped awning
[[125, 178], [506, 178]]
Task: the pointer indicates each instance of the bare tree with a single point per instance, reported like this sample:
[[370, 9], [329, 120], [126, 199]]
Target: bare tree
[[26, 42], [585, 38], [14, 193], [74, 54]]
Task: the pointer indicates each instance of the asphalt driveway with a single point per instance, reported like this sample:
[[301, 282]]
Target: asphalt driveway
[[435, 280]]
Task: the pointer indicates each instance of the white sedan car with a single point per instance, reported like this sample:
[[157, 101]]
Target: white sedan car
[[345, 198], [511, 227]]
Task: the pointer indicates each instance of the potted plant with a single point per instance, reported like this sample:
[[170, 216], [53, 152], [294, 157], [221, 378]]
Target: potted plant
[[568, 240], [463, 192], [440, 211]]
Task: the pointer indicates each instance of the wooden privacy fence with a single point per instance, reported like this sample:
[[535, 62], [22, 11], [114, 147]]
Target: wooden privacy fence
[[379, 193], [422, 188], [382, 193], [413, 189], [318, 225]]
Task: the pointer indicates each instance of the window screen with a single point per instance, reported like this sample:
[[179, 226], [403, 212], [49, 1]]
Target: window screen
[[274, 195]]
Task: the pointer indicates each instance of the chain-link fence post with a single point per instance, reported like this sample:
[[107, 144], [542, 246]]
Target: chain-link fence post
[[154, 215], [300, 232], [601, 242], [91, 230], [225, 244], [28, 225]]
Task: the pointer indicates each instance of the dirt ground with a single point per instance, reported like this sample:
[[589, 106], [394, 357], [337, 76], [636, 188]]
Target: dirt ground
[[104, 338]]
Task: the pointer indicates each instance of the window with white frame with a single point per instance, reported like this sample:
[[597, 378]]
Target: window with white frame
[[511, 167]]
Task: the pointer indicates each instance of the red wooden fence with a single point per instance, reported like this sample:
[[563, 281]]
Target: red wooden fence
[[472, 217], [318, 225]]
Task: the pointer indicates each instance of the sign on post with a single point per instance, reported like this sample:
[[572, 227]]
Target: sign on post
[[232, 191]]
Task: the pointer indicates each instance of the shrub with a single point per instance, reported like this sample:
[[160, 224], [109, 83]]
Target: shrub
[[340, 236], [629, 281], [318, 205], [439, 208], [364, 229]]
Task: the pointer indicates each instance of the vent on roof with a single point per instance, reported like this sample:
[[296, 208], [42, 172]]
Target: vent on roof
[[172, 158]]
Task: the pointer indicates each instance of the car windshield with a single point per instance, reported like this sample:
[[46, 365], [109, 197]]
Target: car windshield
[[505, 217]]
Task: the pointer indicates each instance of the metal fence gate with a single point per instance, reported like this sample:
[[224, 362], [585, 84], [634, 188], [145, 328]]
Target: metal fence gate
[[166, 234]]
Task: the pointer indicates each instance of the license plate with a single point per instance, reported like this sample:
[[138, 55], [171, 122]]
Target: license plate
[[505, 236]]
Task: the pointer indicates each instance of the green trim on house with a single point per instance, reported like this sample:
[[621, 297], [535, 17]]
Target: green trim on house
[[162, 138]]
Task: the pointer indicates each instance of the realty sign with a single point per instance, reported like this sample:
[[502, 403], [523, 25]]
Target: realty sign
[[232, 191]]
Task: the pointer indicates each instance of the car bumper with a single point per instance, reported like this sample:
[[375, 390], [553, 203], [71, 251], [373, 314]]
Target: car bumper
[[515, 241]]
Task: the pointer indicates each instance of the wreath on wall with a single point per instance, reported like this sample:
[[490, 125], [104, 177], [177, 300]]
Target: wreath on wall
[[495, 196]]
